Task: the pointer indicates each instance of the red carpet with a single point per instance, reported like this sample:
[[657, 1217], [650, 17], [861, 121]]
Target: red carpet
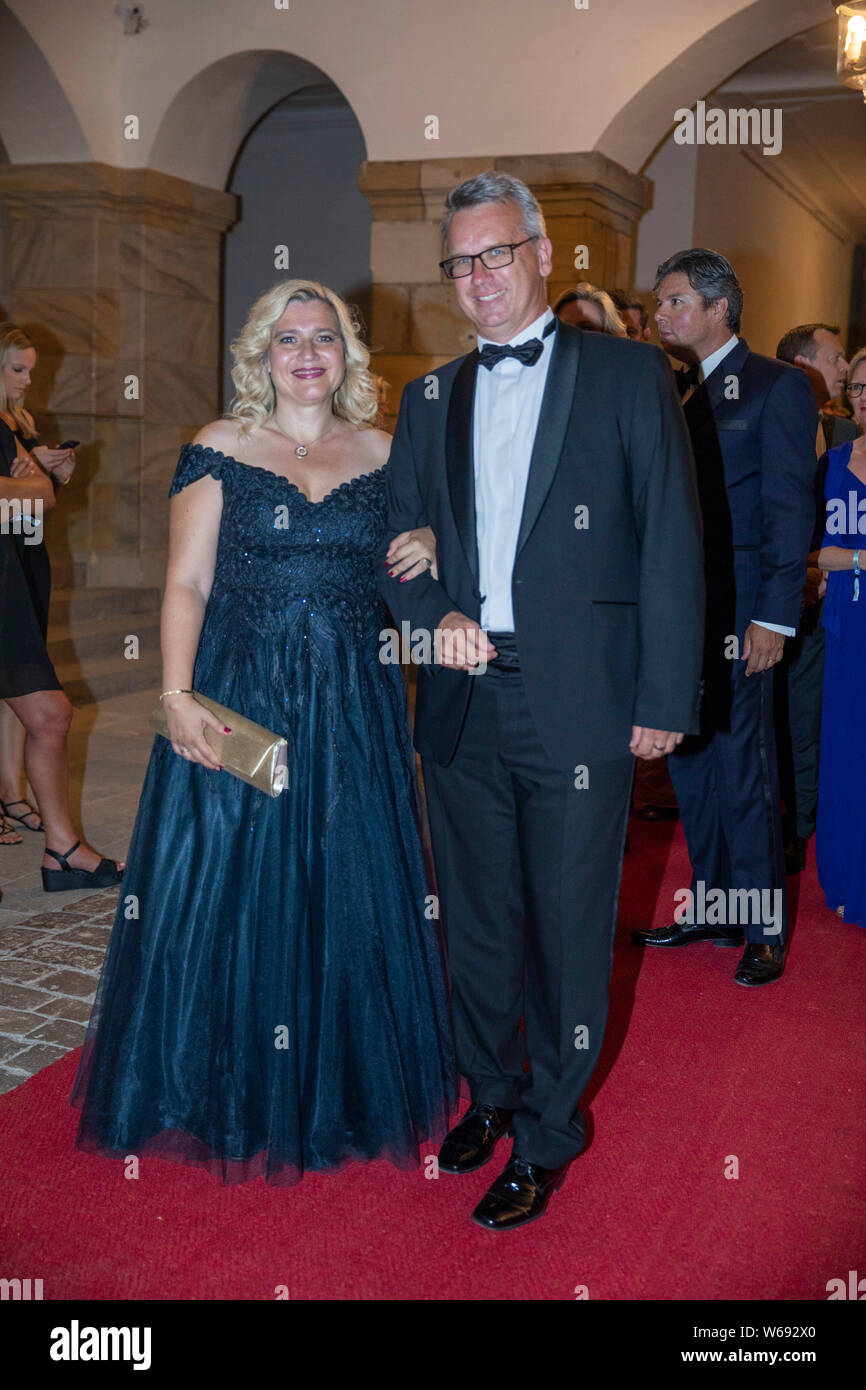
[[695, 1069]]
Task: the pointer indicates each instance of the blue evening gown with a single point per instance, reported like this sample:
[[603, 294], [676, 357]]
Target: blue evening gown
[[840, 837], [279, 1003]]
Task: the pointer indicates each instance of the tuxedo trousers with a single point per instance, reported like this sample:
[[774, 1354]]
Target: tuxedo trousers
[[727, 786], [528, 860], [799, 698]]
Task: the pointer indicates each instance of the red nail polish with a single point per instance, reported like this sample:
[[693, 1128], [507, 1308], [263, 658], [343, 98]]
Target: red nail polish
[[402, 579], [226, 729]]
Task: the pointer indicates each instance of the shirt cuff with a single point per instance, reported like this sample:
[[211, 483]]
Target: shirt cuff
[[776, 627]]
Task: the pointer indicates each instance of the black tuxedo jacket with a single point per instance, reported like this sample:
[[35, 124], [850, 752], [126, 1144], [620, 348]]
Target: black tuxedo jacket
[[608, 618], [753, 425]]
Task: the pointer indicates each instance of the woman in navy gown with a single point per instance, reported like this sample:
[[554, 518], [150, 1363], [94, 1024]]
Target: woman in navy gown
[[273, 998], [841, 829]]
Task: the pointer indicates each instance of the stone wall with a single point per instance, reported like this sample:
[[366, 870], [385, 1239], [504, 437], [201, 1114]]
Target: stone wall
[[115, 274], [587, 201]]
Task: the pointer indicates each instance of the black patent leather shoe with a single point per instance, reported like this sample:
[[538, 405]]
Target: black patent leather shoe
[[470, 1144], [519, 1195], [680, 934], [760, 964]]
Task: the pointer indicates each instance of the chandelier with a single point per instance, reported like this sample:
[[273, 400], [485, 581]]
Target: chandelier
[[851, 46]]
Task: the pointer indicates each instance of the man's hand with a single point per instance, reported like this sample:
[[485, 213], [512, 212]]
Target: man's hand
[[816, 584], [463, 643], [762, 648], [652, 743]]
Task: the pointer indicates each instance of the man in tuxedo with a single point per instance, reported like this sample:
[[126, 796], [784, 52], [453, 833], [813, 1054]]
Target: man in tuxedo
[[752, 422], [554, 468]]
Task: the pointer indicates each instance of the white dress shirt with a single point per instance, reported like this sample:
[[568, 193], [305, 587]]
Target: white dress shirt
[[708, 365], [504, 424]]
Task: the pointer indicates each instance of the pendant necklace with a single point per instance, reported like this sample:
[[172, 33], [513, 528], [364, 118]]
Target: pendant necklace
[[301, 450]]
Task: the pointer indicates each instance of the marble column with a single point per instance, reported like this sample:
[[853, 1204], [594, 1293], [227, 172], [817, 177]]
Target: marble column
[[116, 275], [587, 200]]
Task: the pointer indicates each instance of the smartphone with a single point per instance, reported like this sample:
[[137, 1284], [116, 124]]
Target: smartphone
[[69, 444]]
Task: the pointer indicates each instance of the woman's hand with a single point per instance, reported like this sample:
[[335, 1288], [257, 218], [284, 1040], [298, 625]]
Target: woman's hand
[[187, 721], [59, 462], [24, 467], [411, 553]]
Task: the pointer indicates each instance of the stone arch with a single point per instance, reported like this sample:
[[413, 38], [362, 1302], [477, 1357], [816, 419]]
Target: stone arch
[[640, 126], [209, 118], [34, 131]]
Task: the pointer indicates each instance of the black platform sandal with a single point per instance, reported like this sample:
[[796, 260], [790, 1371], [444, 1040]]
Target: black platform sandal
[[4, 811], [59, 880]]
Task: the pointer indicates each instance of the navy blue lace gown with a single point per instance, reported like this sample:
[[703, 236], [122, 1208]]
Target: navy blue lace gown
[[278, 1002]]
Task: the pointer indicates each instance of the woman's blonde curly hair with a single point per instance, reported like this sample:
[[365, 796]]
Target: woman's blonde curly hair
[[356, 398], [14, 339], [611, 319]]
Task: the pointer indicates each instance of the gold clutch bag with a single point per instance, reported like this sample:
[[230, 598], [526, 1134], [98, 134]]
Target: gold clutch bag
[[249, 752]]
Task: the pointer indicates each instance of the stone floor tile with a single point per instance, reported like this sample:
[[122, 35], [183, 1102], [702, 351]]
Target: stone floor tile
[[33, 1059], [14, 970], [71, 982], [56, 952], [79, 1010], [63, 1032], [22, 996], [86, 934], [14, 938], [9, 1080], [19, 1022]]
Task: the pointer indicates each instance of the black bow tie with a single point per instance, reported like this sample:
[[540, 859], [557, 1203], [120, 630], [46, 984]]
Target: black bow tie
[[690, 377], [528, 353]]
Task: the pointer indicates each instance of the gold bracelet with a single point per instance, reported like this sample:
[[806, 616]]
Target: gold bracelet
[[175, 692]]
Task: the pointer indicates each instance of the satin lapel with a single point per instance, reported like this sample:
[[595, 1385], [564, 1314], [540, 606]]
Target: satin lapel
[[552, 423], [459, 458], [729, 366]]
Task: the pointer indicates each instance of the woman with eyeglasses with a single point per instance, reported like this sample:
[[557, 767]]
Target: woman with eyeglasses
[[841, 829]]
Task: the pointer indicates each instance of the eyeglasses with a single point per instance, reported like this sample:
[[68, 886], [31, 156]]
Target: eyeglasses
[[493, 257], [855, 390]]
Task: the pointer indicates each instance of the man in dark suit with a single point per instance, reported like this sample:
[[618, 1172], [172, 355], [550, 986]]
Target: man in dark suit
[[555, 471], [817, 350], [752, 422]]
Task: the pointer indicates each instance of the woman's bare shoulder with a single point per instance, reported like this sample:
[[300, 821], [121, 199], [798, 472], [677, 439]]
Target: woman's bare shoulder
[[219, 434], [377, 446]]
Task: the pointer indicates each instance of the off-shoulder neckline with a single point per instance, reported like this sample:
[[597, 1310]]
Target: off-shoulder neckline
[[257, 468]]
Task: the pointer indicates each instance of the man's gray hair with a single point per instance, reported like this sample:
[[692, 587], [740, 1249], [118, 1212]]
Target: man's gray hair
[[493, 187]]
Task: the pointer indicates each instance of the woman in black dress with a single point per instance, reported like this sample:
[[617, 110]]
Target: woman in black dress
[[28, 681]]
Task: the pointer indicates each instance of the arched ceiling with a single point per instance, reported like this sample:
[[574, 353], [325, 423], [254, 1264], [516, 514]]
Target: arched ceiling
[[234, 92], [642, 123], [35, 113]]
